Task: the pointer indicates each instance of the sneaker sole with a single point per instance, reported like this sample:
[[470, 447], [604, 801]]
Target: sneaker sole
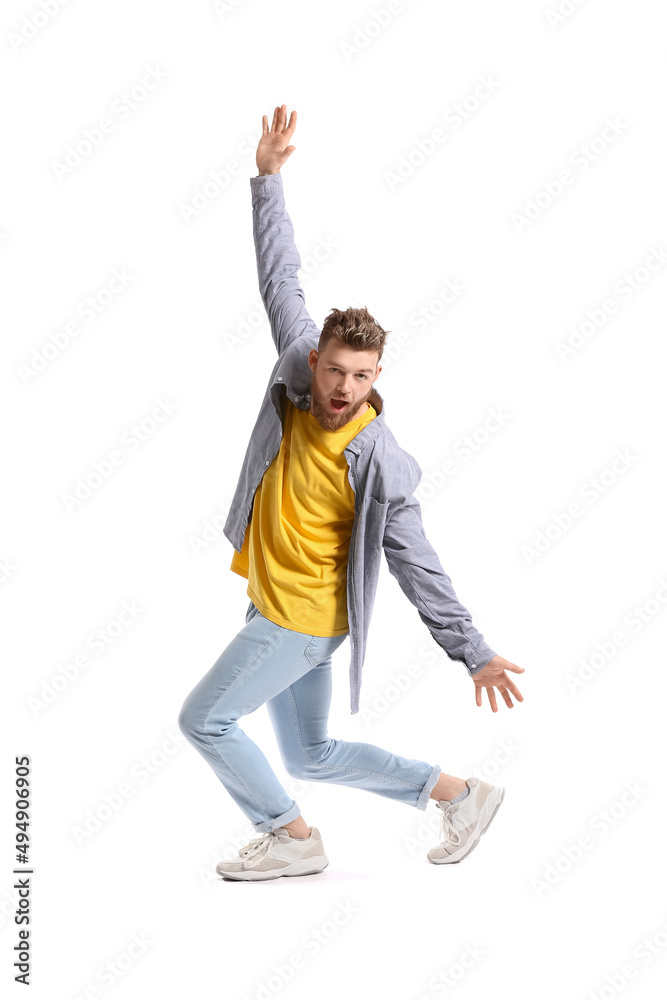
[[298, 868], [463, 852]]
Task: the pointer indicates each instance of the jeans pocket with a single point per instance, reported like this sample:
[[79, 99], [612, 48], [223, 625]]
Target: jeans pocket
[[251, 612], [321, 647]]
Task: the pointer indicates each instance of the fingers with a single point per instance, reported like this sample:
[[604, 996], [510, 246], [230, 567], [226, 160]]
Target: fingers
[[513, 667], [289, 131], [279, 123], [506, 698], [505, 695], [265, 125], [282, 118], [515, 691], [504, 690]]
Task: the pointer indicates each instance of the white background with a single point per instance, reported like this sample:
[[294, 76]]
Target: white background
[[367, 96]]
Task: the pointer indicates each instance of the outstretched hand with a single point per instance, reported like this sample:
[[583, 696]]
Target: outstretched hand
[[272, 150], [493, 676]]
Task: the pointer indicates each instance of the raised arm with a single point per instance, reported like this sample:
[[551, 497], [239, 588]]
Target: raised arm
[[278, 259]]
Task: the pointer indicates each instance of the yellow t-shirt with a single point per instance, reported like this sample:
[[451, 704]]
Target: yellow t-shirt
[[294, 553]]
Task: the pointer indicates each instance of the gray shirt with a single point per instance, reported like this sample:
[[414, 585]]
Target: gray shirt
[[382, 475]]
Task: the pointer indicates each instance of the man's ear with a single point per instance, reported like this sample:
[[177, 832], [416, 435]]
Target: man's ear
[[312, 359]]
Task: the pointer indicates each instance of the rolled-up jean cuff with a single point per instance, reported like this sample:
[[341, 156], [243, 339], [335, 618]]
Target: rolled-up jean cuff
[[425, 793], [273, 824]]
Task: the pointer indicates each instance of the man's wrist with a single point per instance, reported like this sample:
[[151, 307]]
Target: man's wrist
[[267, 173]]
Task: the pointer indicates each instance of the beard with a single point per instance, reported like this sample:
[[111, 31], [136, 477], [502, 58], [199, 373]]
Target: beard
[[329, 419]]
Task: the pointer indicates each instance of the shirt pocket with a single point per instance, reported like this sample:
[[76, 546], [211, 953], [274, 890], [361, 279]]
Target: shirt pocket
[[375, 511], [375, 519]]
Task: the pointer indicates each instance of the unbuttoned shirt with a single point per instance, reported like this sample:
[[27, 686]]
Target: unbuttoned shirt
[[295, 550], [382, 475]]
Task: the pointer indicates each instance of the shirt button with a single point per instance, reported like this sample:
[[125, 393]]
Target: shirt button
[[280, 378], [266, 463], [307, 395]]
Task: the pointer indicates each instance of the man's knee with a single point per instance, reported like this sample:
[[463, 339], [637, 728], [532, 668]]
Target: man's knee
[[307, 763], [192, 719], [187, 721], [195, 723], [296, 767]]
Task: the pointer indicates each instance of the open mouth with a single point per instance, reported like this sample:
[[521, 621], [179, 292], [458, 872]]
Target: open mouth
[[338, 404]]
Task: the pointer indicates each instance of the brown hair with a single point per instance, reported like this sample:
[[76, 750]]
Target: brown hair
[[355, 328]]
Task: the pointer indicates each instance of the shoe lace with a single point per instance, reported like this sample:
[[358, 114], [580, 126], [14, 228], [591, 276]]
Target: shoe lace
[[258, 846], [449, 831]]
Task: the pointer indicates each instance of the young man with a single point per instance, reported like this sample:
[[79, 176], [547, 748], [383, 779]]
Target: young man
[[323, 490]]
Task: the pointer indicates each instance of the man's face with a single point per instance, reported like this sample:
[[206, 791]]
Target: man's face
[[339, 373]]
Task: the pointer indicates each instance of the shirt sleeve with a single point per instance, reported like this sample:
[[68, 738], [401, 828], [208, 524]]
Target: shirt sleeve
[[413, 561], [278, 261]]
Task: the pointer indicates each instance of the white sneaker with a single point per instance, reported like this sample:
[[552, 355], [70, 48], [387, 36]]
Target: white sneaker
[[275, 854], [464, 822]]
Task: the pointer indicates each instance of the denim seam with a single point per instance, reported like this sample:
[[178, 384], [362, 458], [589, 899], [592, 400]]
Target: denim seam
[[312, 639], [297, 726], [307, 654], [425, 795], [359, 770], [274, 820], [226, 691]]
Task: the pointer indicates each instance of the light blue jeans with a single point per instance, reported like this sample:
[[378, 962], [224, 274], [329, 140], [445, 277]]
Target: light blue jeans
[[290, 672]]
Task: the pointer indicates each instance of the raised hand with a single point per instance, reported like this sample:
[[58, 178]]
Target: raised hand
[[493, 676], [273, 149]]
